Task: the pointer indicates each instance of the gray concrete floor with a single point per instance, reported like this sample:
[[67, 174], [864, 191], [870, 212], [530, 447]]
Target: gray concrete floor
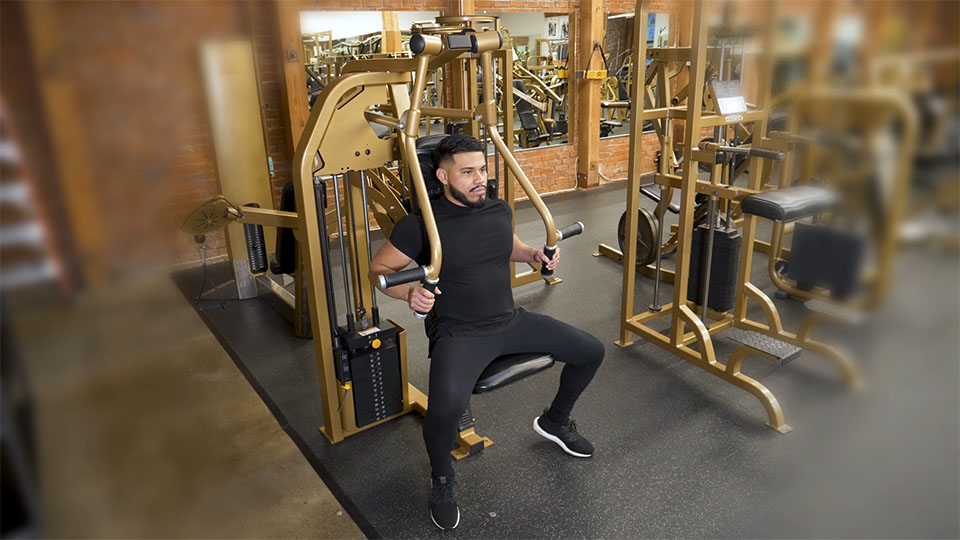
[[146, 428]]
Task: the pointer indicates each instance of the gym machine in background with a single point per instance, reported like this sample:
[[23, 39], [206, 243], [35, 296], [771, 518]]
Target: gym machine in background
[[362, 364], [695, 320], [860, 144]]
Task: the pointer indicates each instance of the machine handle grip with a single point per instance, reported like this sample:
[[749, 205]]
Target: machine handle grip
[[549, 252], [754, 152], [571, 230], [404, 276], [767, 154], [564, 233], [430, 286]]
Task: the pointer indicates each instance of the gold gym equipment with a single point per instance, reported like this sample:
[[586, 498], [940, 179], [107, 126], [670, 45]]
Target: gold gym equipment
[[725, 58], [388, 196], [461, 76], [363, 368], [698, 321], [853, 150], [540, 94]]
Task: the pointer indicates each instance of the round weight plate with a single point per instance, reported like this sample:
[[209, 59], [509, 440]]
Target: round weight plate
[[646, 235]]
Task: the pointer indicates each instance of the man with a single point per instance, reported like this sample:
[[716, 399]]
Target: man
[[472, 319]]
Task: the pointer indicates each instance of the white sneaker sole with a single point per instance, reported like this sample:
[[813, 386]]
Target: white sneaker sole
[[445, 528], [545, 435]]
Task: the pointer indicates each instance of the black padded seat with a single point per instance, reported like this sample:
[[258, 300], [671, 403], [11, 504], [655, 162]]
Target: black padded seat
[[789, 204], [510, 368]]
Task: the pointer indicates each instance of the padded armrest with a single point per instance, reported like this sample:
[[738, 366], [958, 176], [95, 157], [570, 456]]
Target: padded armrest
[[510, 368], [789, 204]]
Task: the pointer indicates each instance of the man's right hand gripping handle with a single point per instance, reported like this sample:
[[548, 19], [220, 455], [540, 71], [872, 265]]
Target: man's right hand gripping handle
[[408, 276], [566, 232]]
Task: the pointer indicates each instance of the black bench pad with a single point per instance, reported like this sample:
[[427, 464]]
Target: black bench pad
[[511, 368], [789, 204]]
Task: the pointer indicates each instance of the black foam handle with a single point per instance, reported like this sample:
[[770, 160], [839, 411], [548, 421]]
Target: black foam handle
[[549, 252], [417, 44], [404, 276], [430, 286], [767, 154], [571, 230]]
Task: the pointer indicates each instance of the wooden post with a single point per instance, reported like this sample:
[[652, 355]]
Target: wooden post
[[821, 49], [67, 137], [588, 146], [391, 32], [294, 91]]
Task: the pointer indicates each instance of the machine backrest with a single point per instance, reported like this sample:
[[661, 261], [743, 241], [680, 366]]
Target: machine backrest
[[528, 119], [425, 147]]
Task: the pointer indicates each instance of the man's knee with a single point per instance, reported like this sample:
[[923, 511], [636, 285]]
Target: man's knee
[[446, 407], [595, 352]]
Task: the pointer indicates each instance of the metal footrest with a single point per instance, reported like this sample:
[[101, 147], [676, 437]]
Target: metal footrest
[[784, 352], [833, 310]]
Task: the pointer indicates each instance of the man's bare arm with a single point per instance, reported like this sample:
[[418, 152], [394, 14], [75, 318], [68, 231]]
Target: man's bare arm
[[524, 253], [388, 260]]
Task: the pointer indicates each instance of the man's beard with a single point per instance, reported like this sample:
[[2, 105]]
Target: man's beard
[[462, 197]]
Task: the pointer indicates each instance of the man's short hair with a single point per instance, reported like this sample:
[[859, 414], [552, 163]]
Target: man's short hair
[[455, 144]]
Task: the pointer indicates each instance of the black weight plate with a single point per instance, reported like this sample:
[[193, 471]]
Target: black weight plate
[[646, 235]]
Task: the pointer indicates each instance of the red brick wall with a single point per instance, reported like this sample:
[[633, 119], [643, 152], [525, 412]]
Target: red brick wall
[[615, 156], [549, 169], [134, 77], [140, 97]]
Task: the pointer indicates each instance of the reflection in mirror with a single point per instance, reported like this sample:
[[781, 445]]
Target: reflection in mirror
[[333, 38], [618, 54], [541, 45], [538, 46]]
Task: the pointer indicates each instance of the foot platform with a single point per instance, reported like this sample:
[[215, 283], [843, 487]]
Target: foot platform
[[782, 351]]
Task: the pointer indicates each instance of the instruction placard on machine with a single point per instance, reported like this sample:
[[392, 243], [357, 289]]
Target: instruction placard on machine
[[729, 97]]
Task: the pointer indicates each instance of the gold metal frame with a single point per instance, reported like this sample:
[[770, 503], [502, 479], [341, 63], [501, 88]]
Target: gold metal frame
[[348, 103], [858, 111], [681, 311]]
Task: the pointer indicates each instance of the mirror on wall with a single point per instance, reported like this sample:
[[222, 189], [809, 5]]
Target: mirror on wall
[[617, 48], [540, 44], [541, 53], [333, 38]]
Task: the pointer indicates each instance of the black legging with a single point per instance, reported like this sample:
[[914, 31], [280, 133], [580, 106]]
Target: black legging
[[457, 363]]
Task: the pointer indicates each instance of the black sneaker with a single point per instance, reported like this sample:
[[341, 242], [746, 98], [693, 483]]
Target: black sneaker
[[565, 435], [443, 503]]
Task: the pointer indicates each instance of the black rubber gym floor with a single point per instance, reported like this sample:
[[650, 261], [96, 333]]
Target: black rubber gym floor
[[680, 453]]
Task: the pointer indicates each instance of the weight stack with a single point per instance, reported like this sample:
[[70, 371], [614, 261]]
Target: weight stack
[[723, 268], [826, 257], [256, 248], [374, 369]]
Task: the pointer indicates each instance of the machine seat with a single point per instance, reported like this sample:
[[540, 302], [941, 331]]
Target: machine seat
[[789, 204], [510, 368]]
